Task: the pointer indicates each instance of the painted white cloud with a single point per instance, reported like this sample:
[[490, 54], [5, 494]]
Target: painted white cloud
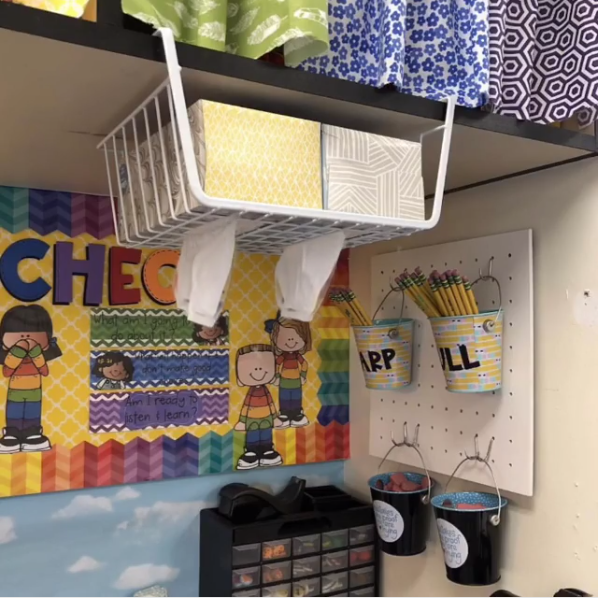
[[85, 563], [122, 526], [143, 576], [127, 493], [167, 512], [84, 504], [7, 530]]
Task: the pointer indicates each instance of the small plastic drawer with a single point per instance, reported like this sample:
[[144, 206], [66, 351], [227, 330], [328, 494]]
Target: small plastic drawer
[[333, 561], [363, 592], [307, 587], [276, 572], [333, 583], [306, 567], [306, 545], [284, 590], [279, 549], [247, 593], [362, 535], [337, 539], [245, 578], [361, 556], [362, 577], [246, 555]]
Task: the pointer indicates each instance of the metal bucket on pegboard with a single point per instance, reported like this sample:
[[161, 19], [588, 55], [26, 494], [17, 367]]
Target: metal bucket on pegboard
[[385, 352], [470, 351], [471, 526]]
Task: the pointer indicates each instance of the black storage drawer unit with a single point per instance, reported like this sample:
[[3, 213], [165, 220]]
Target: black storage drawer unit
[[326, 552]]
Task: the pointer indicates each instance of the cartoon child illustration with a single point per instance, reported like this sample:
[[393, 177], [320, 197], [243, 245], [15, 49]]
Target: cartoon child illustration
[[114, 368], [291, 340], [256, 367], [212, 335], [27, 347]]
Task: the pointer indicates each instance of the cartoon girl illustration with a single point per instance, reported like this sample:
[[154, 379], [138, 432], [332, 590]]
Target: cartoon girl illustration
[[26, 334], [291, 340], [212, 335], [114, 368]]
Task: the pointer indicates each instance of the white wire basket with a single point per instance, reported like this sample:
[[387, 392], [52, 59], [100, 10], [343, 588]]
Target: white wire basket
[[156, 139]]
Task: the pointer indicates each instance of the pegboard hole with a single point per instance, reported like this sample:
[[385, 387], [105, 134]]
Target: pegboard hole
[[431, 427], [419, 404], [432, 406], [477, 412], [446, 429], [393, 421], [510, 417], [461, 432], [460, 410], [476, 259], [511, 441], [445, 451], [431, 448], [510, 300], [510, 465], [393, 401], [510, 394], [510, 255], [418, 385], [510, 323], [494, 415], [431, 386], [510, 278], [510, 371], [406, 403], [446, 408]]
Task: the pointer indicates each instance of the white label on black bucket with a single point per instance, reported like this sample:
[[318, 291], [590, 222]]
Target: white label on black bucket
[[454, 544], [388, 521]]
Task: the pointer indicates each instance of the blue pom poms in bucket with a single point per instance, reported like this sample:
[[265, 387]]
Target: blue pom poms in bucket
[[402, 515], [470, 529]]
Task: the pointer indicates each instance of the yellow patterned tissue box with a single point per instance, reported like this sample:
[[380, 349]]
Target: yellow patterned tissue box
[[241, 154]]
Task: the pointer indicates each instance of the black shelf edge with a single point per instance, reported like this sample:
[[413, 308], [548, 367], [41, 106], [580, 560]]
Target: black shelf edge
[[118, 40]]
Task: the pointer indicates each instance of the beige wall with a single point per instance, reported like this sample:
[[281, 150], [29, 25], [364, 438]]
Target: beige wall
[[552, 538]]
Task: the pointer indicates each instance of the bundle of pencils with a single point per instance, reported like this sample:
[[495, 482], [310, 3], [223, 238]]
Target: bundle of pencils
[[348, 303], [448, 294]]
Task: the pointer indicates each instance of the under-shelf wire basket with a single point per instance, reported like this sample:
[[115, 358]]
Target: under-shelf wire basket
[[263, 228]]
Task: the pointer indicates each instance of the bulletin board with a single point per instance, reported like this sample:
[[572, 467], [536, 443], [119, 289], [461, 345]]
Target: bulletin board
[[105, 382]]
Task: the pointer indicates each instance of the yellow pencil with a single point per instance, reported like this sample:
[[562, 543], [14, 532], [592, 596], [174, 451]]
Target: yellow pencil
[[461, 291], [421, 277], [470, 295], [455, 291], [449, 294], [407, 288], [443, 293], [427, 308], [356, 306], [438, 297]]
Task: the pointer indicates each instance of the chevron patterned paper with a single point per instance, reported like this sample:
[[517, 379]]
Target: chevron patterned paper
[[90, 447], [46, 212]]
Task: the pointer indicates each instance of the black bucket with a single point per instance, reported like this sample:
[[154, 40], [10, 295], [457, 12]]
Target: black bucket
[[470, 538], [402, 518]]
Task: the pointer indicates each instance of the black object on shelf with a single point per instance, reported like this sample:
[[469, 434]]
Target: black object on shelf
[[571, 592], [243, 504], [327, 548]]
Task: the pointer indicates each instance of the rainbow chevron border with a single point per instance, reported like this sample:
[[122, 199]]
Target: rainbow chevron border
[[46, 212], [89, 466], [113, 462]]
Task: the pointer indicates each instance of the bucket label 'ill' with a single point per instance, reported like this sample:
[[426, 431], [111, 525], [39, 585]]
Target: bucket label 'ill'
[[454, 544], [389, 522]]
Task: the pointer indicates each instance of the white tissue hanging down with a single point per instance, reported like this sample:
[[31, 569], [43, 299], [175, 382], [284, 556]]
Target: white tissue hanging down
[[204, 270], [303, 273]]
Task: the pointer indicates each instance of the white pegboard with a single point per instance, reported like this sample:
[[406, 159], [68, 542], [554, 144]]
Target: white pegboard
[[449, 421]]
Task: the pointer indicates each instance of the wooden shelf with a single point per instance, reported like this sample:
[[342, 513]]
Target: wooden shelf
[[65, 83]]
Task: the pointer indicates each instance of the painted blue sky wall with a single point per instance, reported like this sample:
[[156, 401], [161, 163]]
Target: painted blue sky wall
[[114, 541]]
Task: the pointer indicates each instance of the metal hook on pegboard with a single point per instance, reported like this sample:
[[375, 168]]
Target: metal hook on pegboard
[[394, 333], [414, 444], [495, 519], [489, 324]]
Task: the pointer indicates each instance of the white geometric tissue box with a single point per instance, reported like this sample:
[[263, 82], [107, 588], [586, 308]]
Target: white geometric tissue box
[[371, 174]]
